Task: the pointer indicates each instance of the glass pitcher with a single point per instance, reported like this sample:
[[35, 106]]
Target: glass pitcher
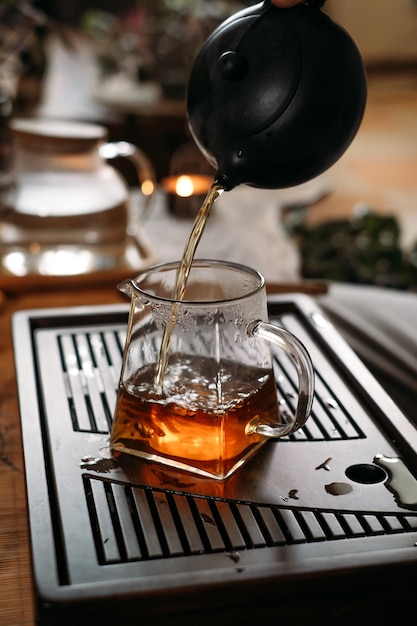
[[207, 400]]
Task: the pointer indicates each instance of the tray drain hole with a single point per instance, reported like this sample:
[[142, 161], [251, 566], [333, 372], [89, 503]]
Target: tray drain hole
[[366, 473]]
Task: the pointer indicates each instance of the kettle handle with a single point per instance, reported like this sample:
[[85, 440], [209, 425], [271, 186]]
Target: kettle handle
[[144, 170]]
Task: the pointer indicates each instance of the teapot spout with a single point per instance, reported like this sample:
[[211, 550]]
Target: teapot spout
[[224, 181]]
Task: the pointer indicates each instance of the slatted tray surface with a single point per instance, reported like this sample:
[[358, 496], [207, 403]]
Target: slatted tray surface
[[338, 498]]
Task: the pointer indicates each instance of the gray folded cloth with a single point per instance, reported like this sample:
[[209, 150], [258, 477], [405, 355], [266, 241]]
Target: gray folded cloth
[[381, 326]]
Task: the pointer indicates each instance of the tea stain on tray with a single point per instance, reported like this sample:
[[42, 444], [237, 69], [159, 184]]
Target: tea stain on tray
[[98, 464], [338, 489], [293, 494], [401, 482]]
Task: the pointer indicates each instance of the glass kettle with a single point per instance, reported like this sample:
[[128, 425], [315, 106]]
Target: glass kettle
[[65, 196]]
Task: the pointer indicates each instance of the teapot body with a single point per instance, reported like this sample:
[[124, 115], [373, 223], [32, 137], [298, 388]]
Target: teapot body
[[275, 96]]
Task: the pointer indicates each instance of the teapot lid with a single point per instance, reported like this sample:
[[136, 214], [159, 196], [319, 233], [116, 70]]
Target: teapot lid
[[253, 86], [58, 136]]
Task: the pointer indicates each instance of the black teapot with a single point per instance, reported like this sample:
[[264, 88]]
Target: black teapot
[[275, 96]]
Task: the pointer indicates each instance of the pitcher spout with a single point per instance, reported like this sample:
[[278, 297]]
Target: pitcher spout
[[127, 287]]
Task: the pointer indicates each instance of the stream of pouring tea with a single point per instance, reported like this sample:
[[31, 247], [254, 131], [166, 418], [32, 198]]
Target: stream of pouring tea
[[181, 281]]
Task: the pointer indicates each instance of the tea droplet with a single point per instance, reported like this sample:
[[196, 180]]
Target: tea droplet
[[325, 465], [208, 520], [234, 556], [331, 403]]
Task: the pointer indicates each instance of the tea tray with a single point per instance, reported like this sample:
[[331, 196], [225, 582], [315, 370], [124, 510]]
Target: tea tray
[[318, 528]]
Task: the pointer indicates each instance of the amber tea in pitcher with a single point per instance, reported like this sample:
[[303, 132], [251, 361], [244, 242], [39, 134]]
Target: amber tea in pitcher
[[195, 423]]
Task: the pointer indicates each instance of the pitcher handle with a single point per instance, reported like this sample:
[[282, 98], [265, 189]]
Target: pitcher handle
[[300, 358]]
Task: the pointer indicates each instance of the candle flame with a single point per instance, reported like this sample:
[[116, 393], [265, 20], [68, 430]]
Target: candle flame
[[184, 187]]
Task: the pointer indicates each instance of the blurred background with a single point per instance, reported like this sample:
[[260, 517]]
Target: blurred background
[[125, 64]]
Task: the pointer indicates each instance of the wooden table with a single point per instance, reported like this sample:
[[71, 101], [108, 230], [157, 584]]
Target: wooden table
[[16, 597]]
